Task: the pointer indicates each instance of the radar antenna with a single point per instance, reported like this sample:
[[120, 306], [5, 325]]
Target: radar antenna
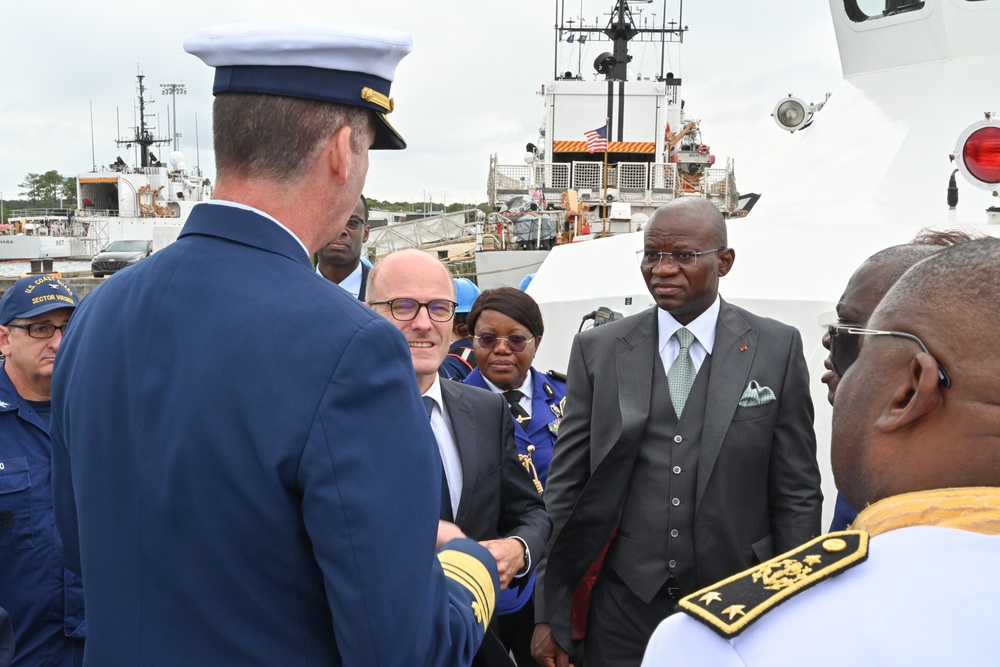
[[144, 137]]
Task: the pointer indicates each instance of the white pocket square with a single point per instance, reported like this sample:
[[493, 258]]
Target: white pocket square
[[756, 395]]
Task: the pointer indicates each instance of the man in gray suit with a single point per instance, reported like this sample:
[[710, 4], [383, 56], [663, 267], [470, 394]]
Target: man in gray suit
[[485, 491], [686, 453]]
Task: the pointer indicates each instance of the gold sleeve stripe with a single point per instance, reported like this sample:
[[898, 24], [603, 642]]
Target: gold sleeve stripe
[[480, 604], [474, 576]]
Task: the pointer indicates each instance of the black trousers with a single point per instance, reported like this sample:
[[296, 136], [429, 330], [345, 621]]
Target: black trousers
[[620, 624], [515, 632]]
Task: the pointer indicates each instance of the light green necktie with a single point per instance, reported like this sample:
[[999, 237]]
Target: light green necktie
[[682, 371]]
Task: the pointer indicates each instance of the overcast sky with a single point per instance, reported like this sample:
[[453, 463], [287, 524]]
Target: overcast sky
[[467, 90]]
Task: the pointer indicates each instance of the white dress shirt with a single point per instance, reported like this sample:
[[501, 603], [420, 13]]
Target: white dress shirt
[[352, 283], [447, 446], [703, 328]]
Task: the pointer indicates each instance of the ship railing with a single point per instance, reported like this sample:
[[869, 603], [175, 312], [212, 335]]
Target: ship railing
[[147, 171], [101, 213], [648, 184], [430, 232], [527, 231], [31, 214], [516, 178]]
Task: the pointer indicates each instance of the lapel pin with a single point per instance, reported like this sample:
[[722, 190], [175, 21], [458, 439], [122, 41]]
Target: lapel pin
[[743, 349]]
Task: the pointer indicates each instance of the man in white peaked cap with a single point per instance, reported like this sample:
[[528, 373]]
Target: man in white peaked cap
[[227, 480]]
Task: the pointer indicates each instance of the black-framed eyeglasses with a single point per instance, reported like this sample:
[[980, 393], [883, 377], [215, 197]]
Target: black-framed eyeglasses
[[648, 258], [845, 346], [404, 310], [354, 224], [40, 330], [515, 342]]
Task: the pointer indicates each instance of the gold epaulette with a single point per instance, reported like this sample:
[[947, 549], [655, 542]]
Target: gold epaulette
[[732, 604]]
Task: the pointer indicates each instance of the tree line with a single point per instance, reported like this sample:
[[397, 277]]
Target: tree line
[[48, 190], [53, 190]]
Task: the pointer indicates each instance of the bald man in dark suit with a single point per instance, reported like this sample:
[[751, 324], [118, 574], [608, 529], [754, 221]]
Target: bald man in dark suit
[[686, 453]]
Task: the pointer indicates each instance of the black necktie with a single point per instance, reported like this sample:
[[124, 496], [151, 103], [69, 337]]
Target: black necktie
[[521, 415], [445, 510]]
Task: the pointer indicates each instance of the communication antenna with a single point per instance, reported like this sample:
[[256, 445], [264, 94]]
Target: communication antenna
[[197, 144], [93, 157]]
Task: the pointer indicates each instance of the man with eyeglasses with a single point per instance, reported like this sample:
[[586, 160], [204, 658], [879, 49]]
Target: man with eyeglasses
[[44, 600], [484, 488], [339, 261], [686, 452], [864, 291], [916, 444]]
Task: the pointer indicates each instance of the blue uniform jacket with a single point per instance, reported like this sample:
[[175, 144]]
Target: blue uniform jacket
[[44, 600], [541, 433], [460, 361], [244, 469], [6, 639]]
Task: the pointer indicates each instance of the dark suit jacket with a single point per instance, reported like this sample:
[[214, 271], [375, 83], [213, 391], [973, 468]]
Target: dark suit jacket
[[498, 497], [365, 269], [243, 468], [758, 483]]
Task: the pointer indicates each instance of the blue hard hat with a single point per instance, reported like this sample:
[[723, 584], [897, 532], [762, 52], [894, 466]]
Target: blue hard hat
[[466, 293], [525, 281]]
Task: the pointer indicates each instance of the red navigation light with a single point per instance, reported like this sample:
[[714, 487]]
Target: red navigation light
[[978, 153], [981, 154]]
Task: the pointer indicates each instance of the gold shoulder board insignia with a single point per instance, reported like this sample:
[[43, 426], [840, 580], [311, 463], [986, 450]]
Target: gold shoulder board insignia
[[732, 604]]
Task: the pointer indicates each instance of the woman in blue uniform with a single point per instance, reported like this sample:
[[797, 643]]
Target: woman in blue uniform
[[506, 328]]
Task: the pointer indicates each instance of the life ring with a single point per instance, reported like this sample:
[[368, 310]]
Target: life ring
[[703, 149]]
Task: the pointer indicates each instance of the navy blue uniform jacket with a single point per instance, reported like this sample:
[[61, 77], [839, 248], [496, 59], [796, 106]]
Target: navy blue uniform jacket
[[541, 433], [244, 472], [46, 600]]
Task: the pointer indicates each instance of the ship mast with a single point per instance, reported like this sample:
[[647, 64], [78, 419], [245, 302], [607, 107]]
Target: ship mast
[[144, 137], [620, 30]]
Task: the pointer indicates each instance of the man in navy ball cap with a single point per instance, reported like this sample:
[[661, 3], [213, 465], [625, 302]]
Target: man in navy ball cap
[[228, 480], [44, 600]]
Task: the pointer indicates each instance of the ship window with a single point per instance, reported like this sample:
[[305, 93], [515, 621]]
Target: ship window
[[865, 10]]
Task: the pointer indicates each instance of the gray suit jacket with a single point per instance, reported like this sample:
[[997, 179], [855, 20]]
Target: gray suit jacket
[[758, 483]]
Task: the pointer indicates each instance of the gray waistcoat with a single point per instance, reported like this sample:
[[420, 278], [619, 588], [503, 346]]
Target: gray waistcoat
[[656, 536]]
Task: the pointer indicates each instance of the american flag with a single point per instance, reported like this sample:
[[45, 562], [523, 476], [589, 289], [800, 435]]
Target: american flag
[[597, 140]]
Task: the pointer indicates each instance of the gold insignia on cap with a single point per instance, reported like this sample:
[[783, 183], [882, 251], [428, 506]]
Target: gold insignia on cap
[[375, 97], [751, 593], [834, 545]]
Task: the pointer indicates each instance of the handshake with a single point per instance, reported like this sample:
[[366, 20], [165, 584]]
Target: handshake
[[509, 553]]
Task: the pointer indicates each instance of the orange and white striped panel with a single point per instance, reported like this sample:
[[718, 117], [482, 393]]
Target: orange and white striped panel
[[646, 147]]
